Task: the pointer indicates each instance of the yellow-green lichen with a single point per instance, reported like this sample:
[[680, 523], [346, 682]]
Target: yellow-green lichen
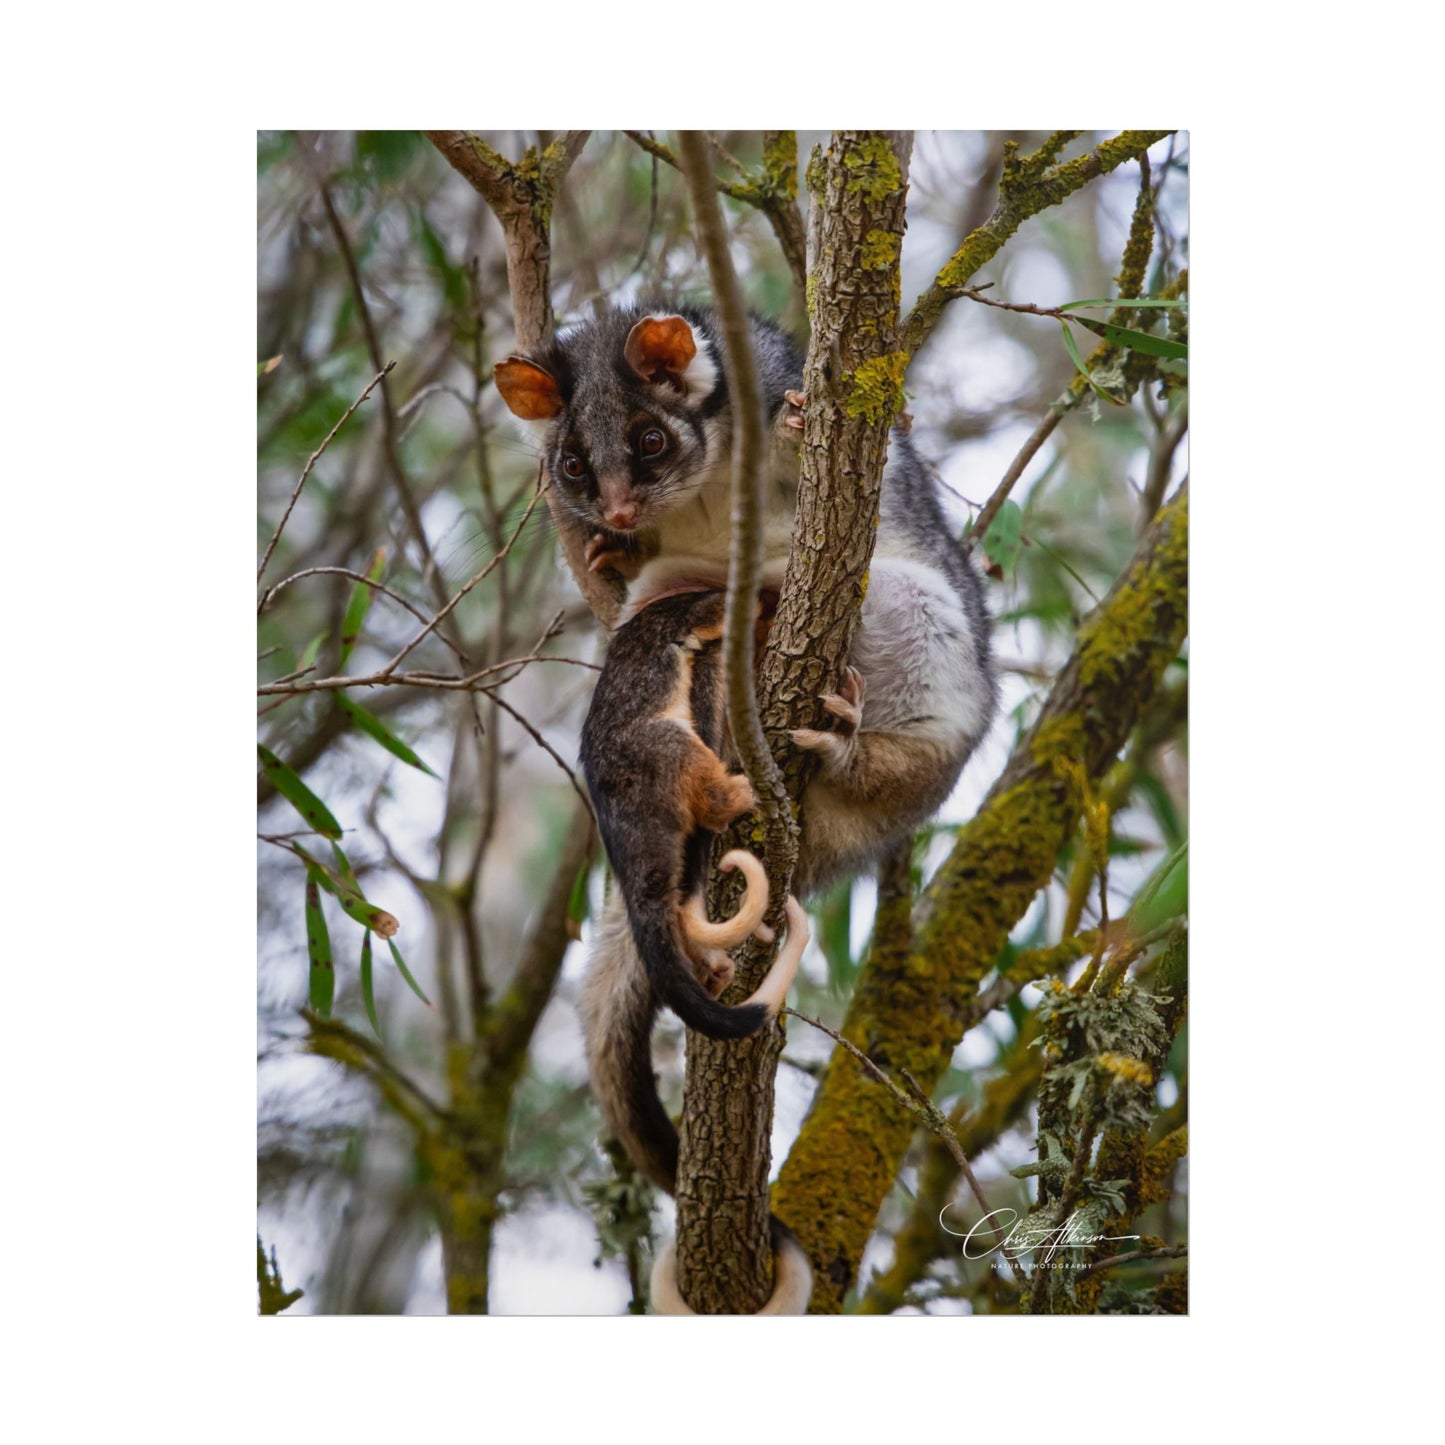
[[878, 388], [880, 249], [872, 169]]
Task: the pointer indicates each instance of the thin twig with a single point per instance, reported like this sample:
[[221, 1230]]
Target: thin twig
[[390, 446], [374, 1061], [445, 682], [1177, 1251], [356, 577], [745, 554], [1036, 439], [546, 748], [306, 470], [467, 587]]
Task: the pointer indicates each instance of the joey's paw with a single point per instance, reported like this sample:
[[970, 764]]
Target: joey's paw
[[603, 551], [714, 970]]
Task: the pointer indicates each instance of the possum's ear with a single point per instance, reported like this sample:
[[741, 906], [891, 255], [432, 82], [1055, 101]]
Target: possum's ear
[[663, 351], [528, 390]]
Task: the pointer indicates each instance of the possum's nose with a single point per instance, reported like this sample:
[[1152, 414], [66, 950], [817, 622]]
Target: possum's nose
[[623, 515]]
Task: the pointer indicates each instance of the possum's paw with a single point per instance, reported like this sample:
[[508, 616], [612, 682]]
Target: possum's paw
[[714, 970], [846, 705], [603, 550], [792, 414]]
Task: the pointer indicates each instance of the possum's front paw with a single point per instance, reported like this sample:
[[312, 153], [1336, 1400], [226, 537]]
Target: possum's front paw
[[605, 550], [846, 705]]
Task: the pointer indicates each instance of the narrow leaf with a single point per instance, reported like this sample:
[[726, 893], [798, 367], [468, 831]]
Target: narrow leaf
[[290, 786], [578, 905], [1140, 341], [1072, 347], [368, 992], [1130, 301], [1003, 541], [308, 655], [359, 604], [405, 972], [373, 727], [357, 907], [1164, 894], [265, 368], [318, 949]]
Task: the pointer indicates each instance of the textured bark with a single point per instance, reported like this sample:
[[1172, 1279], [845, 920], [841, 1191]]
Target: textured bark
[[853, 380], [912, 1016], [520, 195]]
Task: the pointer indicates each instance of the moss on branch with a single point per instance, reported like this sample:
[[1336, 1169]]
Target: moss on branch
[[910, 1015]]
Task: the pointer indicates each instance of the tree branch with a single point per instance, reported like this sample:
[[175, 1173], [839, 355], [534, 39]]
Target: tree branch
[[520, 195], [853, 381], [850, 1150], [1026, 188]]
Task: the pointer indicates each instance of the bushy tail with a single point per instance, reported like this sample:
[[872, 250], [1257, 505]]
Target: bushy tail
[[618, 1009]]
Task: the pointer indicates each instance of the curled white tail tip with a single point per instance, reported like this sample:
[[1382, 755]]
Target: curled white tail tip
[[792, 1282]]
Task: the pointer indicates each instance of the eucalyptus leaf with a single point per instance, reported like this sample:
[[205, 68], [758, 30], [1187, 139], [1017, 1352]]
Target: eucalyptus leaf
[[1140, 341], [318, 949], [1072, 347], [405, 972], [359, 604], [290, 786], [374, 728], [368, 990]]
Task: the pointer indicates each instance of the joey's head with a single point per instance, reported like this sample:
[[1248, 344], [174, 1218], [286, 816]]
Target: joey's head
[[631, 411]]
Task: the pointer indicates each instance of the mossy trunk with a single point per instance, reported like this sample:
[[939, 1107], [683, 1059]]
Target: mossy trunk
[[910, 1015]]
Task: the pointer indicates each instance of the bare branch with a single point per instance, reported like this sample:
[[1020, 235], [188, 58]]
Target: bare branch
[[745, 552], [306, 471]]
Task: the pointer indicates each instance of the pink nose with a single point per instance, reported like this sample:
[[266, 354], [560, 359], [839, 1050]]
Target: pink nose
[[623, 516]]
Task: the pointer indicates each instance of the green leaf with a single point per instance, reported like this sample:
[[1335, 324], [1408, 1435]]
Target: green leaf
[[387, 153], [318, 949], [1140, 341], [311, 808], [359, 604], [308, 653], [368, 992], [1130, 301], [357, 907], [834, 937], [1164, 894], [579, 905], [454, 284], [1072, 347], [373, 727], [405, 972], [1003, 542]]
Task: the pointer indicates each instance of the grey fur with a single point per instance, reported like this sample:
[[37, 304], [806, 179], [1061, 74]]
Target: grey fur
[[922, 655]]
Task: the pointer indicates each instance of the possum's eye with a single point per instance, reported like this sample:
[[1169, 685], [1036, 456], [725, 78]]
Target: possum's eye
[[652, 442], [573, 466]]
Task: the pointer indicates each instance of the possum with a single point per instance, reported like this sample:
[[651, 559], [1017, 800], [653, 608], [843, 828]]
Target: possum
[[632, 414]]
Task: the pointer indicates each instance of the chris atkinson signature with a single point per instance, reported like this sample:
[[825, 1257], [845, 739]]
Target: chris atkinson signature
[[1003, 1230]]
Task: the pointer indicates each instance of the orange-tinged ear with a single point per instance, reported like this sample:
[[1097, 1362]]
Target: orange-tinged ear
[[530, 392], [660, 349]]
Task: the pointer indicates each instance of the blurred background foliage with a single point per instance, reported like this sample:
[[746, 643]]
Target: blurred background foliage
[[372, 250]]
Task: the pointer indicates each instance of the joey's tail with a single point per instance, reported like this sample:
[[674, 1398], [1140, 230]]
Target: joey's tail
[[619, 1005]]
